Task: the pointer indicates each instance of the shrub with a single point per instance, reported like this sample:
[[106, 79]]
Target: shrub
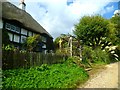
[[75, 60], [118, 52], [8, 47], [87, 56], [94, 56], [114, 53], [100, 56]]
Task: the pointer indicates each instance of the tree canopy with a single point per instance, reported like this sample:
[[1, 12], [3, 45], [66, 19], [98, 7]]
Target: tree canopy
[[93, 30], [116, 21]]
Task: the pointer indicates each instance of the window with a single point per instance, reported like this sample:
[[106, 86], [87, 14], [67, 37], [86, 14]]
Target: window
[[23, 38], [17, 30], [30, 33], [44, 39], [7, 26], [23, 31], [12, 28], [34, 34], [10, 36], [44, 46], [16, 38]]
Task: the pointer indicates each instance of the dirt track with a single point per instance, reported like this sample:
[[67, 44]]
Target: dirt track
[[108, 78]]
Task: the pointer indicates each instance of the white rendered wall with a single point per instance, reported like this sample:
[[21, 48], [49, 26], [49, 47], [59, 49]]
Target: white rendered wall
[[22, 6], [1, 24]]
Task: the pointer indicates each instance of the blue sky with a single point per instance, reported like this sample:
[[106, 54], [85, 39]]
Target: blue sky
[[59, 16], [110, 14]]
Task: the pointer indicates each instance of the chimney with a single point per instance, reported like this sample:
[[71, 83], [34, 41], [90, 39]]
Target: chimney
[[22, 5]]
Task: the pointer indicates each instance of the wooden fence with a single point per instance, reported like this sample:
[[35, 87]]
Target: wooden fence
[[18, 59]]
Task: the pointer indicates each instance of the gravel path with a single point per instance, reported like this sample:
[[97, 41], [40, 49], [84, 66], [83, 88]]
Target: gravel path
[[108, 78]]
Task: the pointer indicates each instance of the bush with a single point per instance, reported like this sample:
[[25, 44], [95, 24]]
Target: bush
[[74, 59], [8, 47], [94, 56], [118, 52], [87, 56], [100, 56], [114, 52]]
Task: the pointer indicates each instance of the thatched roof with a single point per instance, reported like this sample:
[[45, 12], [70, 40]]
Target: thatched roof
[[11, 12]]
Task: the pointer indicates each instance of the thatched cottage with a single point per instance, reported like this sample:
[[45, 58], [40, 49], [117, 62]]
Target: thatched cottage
[[21, 25]]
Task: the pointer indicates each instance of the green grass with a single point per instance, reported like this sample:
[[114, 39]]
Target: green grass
[[65, 75]]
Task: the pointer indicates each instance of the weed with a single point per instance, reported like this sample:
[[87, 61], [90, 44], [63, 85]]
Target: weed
[[65, 75]]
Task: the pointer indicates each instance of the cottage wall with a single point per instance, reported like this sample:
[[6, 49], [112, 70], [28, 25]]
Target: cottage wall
[[1, 23]]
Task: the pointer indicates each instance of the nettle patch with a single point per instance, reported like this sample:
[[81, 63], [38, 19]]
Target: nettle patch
[[66, 75]]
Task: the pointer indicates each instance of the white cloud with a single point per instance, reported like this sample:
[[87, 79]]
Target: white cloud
[[107, 10], [57, 17]]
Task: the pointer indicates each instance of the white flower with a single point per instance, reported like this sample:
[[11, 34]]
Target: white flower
[[112, 51], [116, 55]]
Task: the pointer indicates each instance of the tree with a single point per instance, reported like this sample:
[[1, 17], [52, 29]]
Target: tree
[[32, 42], [93, 31], [116, 21]]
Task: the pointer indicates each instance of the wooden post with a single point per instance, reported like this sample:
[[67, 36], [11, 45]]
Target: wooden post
[[60, 46], [80, 48], [71, 46]]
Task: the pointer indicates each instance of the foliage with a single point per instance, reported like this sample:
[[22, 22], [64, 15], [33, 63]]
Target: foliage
[[64, 38], [116, 21], [94, 56], [98, 34], [65, 45], [100, 56], [64, 51], [0, 78], [117, 50], [32, 42], [56, 42], [92, 30], [8, 47], [65, 75], [87, 56], [74, 59], [113, 52]]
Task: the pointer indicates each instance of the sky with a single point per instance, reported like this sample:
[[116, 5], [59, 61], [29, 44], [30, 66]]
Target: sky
[[60, 16]]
